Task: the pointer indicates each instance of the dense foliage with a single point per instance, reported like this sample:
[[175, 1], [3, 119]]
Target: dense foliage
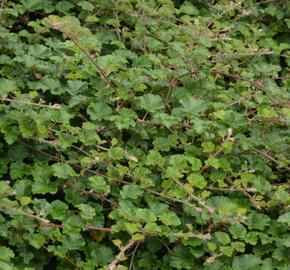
[[144, 134]]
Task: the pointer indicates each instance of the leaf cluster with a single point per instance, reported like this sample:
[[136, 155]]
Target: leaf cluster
[[144, 135]]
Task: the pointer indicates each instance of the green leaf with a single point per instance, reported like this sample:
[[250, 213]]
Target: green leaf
[[32, 5], [112, 63], [214, 162], [197, 180], [285, 218], [252, 238], [261, 184], [152, 227], [238, 246], [195, 163], [99, 110], [6, 254], [76, 86], [138, 236], [73, 241], [4, 189], [63, 170], [170, 219], [58, 210], [10, 135], [131, 192], [6, 266], [87, 212], [172, 173], [151, 103], [267, 264], [238, 231], [181, 258], [145, 215], [64, 6], [154, 158], [132, 227], [24, 200], [37, 240], [228, 251], [246, 262], [7, 86], [205, 41], [50, 84], [125, 119], [285, 241], [212, 246], [222, 237], [89, 134], [208, 147], [166, 119], [43, 186], [102, 255], [258, 221], [116, 153], [224, 205], [98, 184], [188, 8], [191, 105], [164, 144], [27, 129], [86, 5], [281, 196]]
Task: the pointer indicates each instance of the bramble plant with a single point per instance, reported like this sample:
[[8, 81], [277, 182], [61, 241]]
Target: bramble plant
[[149, 134]]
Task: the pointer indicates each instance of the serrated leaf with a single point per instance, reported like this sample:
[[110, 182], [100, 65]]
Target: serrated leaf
[[6, 266], [49, 84], [63, 170], [117, 243], [64, 6], [86, 5], [208, 147], [99, 110], [32, 4], [7, 86], [138, 236], [222, 237], [37, 240], [285, 218], [195, 163], [131, 192], [169, 219], [145, 215], [151, 103], [125, 119], [197, 180], [102, 255], [238, 231], [246, 262], [238, 246], [258, 221], [58, 210], [191, 105], [6, 254], [73, 241], [228, 251], [87, 212], [98, 184], [24, 200], [131, 227]]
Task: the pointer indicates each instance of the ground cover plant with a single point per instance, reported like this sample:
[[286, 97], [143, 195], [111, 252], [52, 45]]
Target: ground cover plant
[[149, 134]]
